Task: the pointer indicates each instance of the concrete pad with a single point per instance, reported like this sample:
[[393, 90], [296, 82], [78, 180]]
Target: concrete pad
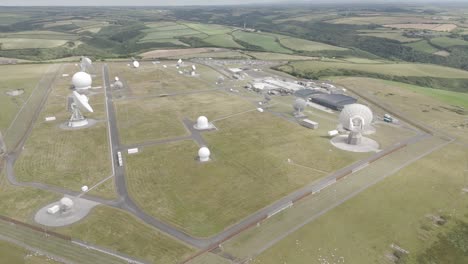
[[91, 122], [79, 211], [367, 144]]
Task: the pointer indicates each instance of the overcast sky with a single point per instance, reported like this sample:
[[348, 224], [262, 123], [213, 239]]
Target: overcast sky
[[184, 2]]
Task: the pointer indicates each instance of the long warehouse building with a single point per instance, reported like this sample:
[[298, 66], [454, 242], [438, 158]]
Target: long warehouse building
[[333, 101]]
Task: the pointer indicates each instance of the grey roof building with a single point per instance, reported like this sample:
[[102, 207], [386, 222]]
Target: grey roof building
[[333, 101]]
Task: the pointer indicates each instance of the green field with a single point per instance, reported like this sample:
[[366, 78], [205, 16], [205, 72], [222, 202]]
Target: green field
[[279, 56], [223, 40], [159, 118], [13, 254], [248, 171], [396, 211], [30, 43], [379, 20], [209, 29], [394, 69], [53, 155], [120, 231], [442, 110], [266, 42], [306, 45], [447, 42], [388, 34], [422, 46], [21, 203], [12, 78]]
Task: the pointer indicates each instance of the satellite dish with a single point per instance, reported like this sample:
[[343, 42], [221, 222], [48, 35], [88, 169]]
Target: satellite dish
[[81, 101], [194, 67], [86, 64], [116, 78], [299, 105], [179, 61], [136, 64]]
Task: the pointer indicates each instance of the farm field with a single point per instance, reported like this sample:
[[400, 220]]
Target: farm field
[[395, 69], [266, 42], [388, 34], [422, 46], [396, 210], [447, 42], [306, 45], [40, 34], [30, 43], [278, 56], [118, 230], [421, 26], [379, 20], [224, 40], [253, 160]]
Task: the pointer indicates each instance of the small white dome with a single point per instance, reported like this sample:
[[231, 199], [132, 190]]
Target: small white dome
[[202, 122], [82, 80], [66, 202], [118, 85], [356, 117], [204, 154]]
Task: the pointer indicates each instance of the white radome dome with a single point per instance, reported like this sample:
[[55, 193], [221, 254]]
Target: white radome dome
[[356, 117], [66, 202], [82, 80], [202, 122], [204, 154]]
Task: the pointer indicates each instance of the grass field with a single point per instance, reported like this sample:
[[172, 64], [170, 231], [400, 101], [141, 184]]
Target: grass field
[[379, 20], [13, 78], [278, 56], [266, 42], [422, 26], [209, 29], [447, 42], [120, 231], [422, 46], [30, 43], [395, 69], [159, 118], [40, 34], [55, 156], [442, 110], [388, 34], [13, 254], [21, 203], [248, 171], [224, 40], [306, 45], [395, 212]]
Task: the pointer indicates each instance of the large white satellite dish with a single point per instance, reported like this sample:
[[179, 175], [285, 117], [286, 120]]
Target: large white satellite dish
[[86, 64], [194, 67], [136, 64], [79, 102], [82, 101]]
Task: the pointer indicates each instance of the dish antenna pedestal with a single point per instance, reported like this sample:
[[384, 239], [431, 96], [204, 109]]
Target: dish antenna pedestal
[[78, 101]]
